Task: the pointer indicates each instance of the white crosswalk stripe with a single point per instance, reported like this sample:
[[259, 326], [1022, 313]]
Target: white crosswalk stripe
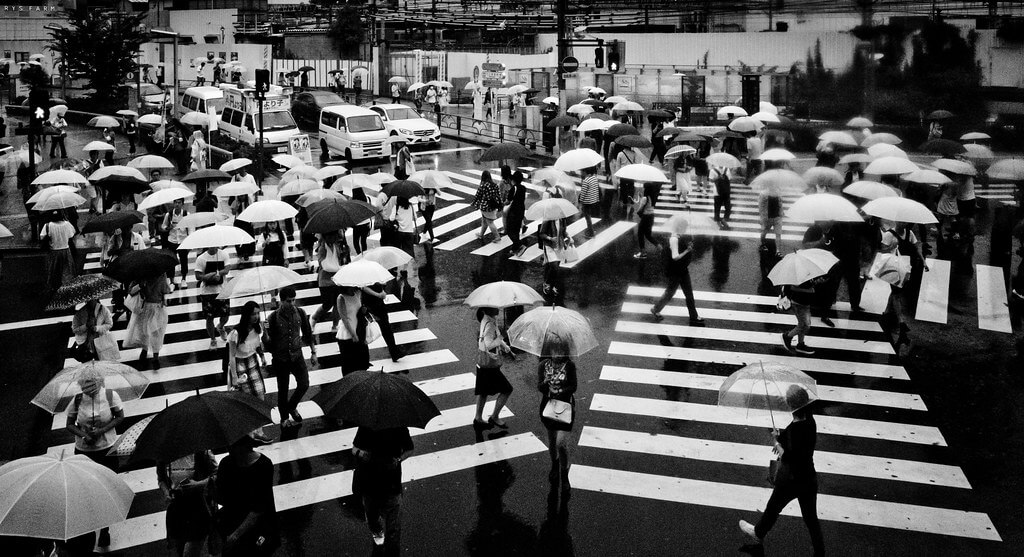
[[878, 411]]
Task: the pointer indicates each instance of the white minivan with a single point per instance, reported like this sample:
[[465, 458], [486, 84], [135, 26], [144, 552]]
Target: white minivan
[[241, 119], [206, 100], [353, 132]]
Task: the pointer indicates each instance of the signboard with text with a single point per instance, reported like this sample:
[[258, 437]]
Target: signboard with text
[[493, 74], [298, 145]]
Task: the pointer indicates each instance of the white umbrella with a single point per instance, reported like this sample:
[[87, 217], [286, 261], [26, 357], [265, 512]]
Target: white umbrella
[[151, 119], [259, 280], [47, 192], [899, 209], [595, 90], [388, 257], [953, 166], [165, 184], [126, 112], [151, 162], [881, 137], [802, 266], [268, 210], [578, 159], [362, 273], [517, 88], [823, 176], [117, 170], [778, 181], [5, 232], [766, 117], [60, 176], [196, 220], [440, 83], [415, 86], [195, 119], [59, 200], [861, 158], [216, 237], [978, 152], [838, 138], [615, 99], [554, 176], [680, 150], [767, 108], [235, 164], [298, 187], [329, 172], [590, 125], [397, 79], [640, 173], [97, 146], [777, 155], [879, 150], [311, 197], [304, 172], [355, 181], [971, 136], [59, 110], [1007, 169], [431, 179], [866, 189], [580, 109], [233, 189], [503, 294], [859, 122], [287, 161], [890, 165], [627, 106], [163, 197], [543, 329], [745, 124], [926, 176], [550, 100], [723, 160], [382, 178], [552, 208], [730, 112]]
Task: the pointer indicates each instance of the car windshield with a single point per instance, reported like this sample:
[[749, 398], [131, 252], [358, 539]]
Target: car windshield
[[277, 121], [364, 123], [327, 99], [216, 104], [402, 114], [150, 89]]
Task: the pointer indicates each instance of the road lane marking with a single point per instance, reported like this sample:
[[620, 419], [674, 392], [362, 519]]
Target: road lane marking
[[708, 296], [933, 299], [750, 316], [533, 252], [602, 239], [993, 312]]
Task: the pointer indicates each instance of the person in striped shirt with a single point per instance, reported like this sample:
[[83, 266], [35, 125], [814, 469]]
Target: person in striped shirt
[[590, 198]]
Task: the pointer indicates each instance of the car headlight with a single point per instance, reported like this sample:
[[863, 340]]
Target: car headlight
[[355, 145], [404, 132]]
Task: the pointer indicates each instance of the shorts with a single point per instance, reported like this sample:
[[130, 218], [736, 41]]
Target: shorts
[[214, 307]]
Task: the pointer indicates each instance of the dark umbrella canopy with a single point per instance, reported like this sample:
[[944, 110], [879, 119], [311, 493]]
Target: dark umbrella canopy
[[81, 289], [944, 147], [563, 121], [377, 400], [505, 151], [142, 264], [109, 222], [122, 184], [621, 129], [331, 215], [638, 141], [687, 137], [670, 131], [403, 188], [940, 115], [729, 133], [206, 175], [307, 69], [659, 114], [198, 423], [597, 104], [598, 116]]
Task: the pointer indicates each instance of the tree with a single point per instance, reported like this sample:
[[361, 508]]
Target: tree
[[347, 31], [34, 76], [100, 47]]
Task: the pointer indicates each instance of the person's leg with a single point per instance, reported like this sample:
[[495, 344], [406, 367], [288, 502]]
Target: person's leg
[[480, 401], [562, 443], [428, 220], [494, 229], [391, 510], [483, 227], [803, 322], [590, 222], [780, 497], [553, 453], [499, 403], [777, 225], [372, 510], [183, 263], [687, 286], [718, 207], [727, 203], [808, 500], [301, 373], [389, 335], [666, 297], [648, 224], [326, 305], [283, 371]]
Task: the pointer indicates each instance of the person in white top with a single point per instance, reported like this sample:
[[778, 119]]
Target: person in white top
[[173, 236], [60, 262], [245, 358], [211, 270], [198, 150]]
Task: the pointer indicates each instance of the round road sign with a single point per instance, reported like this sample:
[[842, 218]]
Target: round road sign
[[570, 64]]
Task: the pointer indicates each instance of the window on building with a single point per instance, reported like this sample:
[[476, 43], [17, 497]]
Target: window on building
[[20, 57], [162, 53]]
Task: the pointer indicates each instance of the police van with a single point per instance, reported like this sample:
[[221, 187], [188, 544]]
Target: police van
[[353, 132], [240, 119]]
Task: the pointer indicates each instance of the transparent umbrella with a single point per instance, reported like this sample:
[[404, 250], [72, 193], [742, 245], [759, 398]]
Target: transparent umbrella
[[763, 386], [126, 381], [544, 329]]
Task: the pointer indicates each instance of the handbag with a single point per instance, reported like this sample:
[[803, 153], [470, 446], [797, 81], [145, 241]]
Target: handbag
[[485, 358], [773, 470], [82, 352], [783, 303], [372, 330], [558, 410], [570, 254], [133, 303]]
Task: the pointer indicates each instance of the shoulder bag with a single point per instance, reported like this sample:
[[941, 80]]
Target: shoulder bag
[[485, 358], [372, 330], [558, 410]]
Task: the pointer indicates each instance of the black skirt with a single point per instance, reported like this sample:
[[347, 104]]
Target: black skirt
[[491, 381], [555, 425]]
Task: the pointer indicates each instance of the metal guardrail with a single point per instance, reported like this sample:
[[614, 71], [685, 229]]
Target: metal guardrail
[[485, 130]]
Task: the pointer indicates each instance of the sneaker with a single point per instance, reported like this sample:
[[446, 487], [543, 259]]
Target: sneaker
[[223, 333], [181, 283], [262, 439], [804, 349], [213, 344], [828, 321], [287, 422], [657, 315], [748, 529], [639, 255], [787, 342], [378, 538], [496, 240], [697, 321], [172, 287]]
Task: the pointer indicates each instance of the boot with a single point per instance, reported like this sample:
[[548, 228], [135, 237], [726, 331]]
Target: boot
[[903, 339]]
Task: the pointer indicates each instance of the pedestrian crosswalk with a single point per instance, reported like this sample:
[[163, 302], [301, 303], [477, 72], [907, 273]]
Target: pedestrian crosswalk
[[656, 398]]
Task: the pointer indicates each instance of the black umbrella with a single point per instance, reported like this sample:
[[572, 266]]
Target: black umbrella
[[730, 133], [563, 121], [198, 423], [330, 215], [109, 222], [307, 69], [687, 137], [81, 289], [669, 131], [944, 147], [621, 129], [633, 141], [505, 151], [206, 175], [659, 114], [377, 400], [403, 188], [292, 74], [122, 184], [142, 264], [940, 115]]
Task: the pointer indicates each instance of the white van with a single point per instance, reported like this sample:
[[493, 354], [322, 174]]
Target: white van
[[240, 119], [207, 100], [353, 132]]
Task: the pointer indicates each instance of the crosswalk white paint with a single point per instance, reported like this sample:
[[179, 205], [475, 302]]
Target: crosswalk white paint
[[725, 297], [848, 510], [993, 311], [599, 241], [933, 299], [751, 317]]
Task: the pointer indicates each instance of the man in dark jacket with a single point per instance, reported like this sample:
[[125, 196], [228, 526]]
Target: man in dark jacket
[[288, 330]]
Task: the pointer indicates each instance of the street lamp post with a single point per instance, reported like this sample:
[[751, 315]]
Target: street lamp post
[[174, 73]]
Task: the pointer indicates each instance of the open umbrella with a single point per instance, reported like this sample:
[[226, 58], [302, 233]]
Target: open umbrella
[[362, 273], [801, 266], [141, 264], [126, 112], [216, 237], [859, 122], [823, 176], [879, 150], [311, 197], [298, 187], [60, 176], [206, 175], [235, 189], [969, 136], [641, 173], [329, 172], [977, 152], [617, 129], [397, 79], [549, 100], [926, 176], [552, 176], [235, 164], [730, 111], [200, 422], [598, 116], [431, 179], [57, 394], [764, 386], [777, 155], [259, 280], [562, 121], [593, 90], [5, 232], [97, 146], [838, 138], [109, 222], [389, 257], [81, 288], [659, 114], [1007, 169], [881, 137], [151, 119], [377, 400], [953, 166], [899, 209], [580, 109], [633, 141], [505, 151], [104, 122], [940, 115], [301, 172], [890, 165], [151, 162], [416, 86], [123, 184], [503, 294], [355, 181], [860, 158], [544, 329], [553, 208], [382, 177], [60, 497], [125, 444], [590, 124], [116, 170], [287, 161], [48, 191], [58, 110], [766, 117], [403, 188], [779, 181], [578, 159], [163, 197], [944, 147], [823, 207], [331, 215], [679, 150], [866, 189], [197, 220], [626, 106], [745, 124], [595, 104], [268, 210], [59, 200], [307, 69], [440, 83], [723, 160]]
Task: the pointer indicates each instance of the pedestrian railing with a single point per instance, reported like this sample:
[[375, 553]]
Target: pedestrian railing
[[485, 130]]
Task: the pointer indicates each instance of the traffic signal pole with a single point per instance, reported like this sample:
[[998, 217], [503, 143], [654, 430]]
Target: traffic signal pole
[[561, 7]]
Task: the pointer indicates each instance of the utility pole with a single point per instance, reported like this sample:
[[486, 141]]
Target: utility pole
[[561, 7]]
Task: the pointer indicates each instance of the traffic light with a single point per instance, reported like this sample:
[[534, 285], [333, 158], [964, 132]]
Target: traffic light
[[613, 59], [38, 106], [598, 57], [262, 81]]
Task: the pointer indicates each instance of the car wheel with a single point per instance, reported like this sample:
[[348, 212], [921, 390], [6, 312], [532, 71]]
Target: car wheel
[[325, 153], [348, 155]]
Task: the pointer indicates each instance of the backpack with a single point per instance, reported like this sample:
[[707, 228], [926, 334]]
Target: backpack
[[110, 399]]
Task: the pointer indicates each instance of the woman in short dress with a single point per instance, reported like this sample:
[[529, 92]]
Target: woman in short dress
[[245, 358], [490, 380], [355, 354], [556, 379]]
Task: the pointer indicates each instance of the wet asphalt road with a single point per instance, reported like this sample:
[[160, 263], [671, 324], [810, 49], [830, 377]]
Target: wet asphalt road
[[502, 507]]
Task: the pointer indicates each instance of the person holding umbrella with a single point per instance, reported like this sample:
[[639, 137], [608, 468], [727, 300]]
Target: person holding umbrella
[[147, 326], [556, 381], [131, 132], [60, 265], [187, 484], [396, 93], [108, 137], [377, 480], [331, 252], [247, 519], [897, 238], [679, 252], [590, 198], [488, 202], [173, 236], [246, 360], [722, 188], [91, 326], [288, 328], [351, 335], [489, 379], [59, 123], [645, 214], [211, 270], [796, 478], [515, 212], [373, 300], [197, 147]]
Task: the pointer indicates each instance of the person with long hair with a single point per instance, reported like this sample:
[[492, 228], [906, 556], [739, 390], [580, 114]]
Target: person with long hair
[[274, 243], [245, 358], [556, 380], [488, 202], [147, 326], [796, 477], [173, 235], [351, 336], [489, 379], [332, 252], [645, 214]]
